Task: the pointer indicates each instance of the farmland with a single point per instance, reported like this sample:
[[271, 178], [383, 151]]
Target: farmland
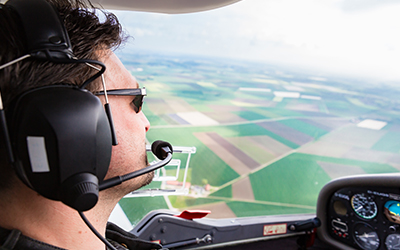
[[267, 139]]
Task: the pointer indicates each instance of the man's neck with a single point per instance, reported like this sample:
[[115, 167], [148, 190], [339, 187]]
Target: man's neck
[[53, 222]]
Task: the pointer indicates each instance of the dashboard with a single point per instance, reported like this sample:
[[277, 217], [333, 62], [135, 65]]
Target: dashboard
[[361, 212], [353, 212]]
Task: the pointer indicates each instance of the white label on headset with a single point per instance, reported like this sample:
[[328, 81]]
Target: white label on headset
[[37, 154]]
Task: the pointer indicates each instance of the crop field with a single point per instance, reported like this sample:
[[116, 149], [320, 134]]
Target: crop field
[[267, 139]]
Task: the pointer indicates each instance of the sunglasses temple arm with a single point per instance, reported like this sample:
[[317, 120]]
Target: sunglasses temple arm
[[111, 121]]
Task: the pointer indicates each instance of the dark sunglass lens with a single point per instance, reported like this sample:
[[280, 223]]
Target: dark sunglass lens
[[137, 103]]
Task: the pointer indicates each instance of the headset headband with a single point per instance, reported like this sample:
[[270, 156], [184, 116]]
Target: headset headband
[[46, 35]]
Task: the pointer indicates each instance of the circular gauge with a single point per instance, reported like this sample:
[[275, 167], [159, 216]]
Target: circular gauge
[[393, 242], [392, 211], [364, 206], [366, 237]]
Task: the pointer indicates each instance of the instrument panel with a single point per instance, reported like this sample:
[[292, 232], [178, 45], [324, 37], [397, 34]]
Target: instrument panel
[[361, 217]]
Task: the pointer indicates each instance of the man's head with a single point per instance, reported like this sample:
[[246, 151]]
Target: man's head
[[90, 39]]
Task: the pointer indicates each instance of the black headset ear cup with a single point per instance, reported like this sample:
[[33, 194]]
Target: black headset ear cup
[[45, 35], [62, 142]]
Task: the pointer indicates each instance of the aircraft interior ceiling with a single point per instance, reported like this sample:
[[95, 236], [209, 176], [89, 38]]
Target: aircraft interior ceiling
[[165, 6], [162, 6]]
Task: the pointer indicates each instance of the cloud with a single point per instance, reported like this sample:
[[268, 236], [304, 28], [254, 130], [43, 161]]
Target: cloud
[[361, 5], [327, 35]]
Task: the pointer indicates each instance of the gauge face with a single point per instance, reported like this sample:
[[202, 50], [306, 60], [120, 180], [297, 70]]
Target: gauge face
[[364, 206], [366, 237], [393, 242], [392, 211]]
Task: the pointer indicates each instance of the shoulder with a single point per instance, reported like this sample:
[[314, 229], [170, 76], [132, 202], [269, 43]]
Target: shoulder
[[14, 239]]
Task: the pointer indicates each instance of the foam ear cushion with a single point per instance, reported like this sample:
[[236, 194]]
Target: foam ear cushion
[[59, 134]]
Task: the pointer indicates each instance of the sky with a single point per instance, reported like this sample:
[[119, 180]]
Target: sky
[[356, 38]]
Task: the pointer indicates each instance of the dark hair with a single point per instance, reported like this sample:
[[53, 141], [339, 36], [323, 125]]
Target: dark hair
[[90, 37]]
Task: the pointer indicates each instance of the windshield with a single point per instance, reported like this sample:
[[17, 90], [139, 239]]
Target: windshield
[[276, 97]]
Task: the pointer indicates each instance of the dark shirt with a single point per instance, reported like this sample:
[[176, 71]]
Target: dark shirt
[[120, 239]]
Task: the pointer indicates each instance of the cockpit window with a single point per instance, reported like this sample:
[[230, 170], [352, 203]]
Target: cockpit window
[[277, 98]]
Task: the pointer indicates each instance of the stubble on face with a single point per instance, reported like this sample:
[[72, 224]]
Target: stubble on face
[[137, 182], [144, 179], [147, 178]]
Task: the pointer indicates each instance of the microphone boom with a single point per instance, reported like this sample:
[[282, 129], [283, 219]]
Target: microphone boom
[[163, 150]]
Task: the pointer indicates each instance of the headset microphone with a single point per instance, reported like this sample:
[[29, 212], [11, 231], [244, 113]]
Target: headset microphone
[[162, 149]]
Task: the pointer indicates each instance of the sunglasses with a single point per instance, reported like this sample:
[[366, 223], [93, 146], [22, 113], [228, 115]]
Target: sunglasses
[[137, 102]]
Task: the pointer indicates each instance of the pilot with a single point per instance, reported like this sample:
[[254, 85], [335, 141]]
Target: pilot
[[28, 220]]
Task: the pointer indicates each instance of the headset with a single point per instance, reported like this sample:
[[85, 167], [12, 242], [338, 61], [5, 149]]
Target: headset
[[58, 137]]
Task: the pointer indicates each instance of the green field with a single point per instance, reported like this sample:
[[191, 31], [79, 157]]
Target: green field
[[389, 143]]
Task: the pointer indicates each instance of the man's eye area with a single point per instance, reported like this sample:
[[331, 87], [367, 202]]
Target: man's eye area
[[138, 94], [137, 103]]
